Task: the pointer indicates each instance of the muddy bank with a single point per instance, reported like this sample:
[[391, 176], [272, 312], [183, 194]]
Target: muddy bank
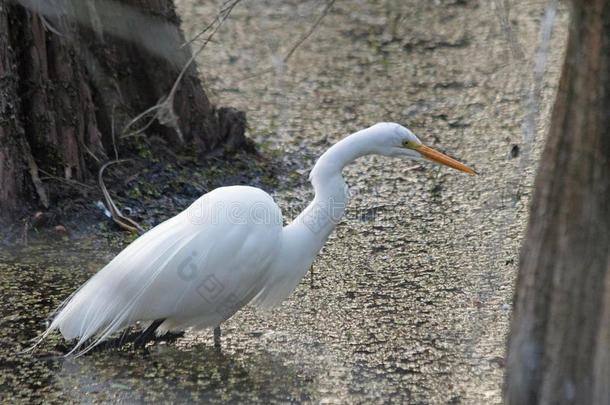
[[148, 189]]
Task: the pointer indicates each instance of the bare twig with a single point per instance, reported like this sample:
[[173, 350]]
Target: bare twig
[[91, 153], [163, 110], [70, 182], [502, 8], [137, 118], [117, 215], [116, 153], [311, 30], [40, 190], [294, 47], [225, 10], [48, 26]]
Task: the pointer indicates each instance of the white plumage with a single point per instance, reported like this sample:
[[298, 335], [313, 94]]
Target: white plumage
[[226, 250]]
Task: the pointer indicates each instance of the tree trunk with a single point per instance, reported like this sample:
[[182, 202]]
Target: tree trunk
[[74, 72], [559, 345]]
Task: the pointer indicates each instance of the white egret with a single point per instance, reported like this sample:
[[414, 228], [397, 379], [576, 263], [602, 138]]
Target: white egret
[[226, 250]]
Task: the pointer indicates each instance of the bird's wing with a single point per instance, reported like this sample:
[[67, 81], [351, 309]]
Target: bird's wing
[[203, 264]]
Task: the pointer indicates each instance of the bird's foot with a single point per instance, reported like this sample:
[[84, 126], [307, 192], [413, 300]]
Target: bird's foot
[[147, 335]]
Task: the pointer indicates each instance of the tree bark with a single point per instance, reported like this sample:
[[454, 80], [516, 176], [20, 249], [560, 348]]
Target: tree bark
[[74, 72], [559, 344]]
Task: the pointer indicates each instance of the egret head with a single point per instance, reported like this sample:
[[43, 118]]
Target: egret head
[[397, 141]]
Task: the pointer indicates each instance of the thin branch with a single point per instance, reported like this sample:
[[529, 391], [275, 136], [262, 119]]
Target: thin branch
[[163, 110], [296, 44], [117, 215], [90, 153], [70, 182], [311, 30], [137, 118], [33, 167], [226, 8], [116, 153], [47, 25]]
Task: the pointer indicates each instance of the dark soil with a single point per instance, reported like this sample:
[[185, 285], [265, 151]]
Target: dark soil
[[148, 189]]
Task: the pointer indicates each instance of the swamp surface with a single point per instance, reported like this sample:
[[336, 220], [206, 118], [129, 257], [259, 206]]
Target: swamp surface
[[410, 298]]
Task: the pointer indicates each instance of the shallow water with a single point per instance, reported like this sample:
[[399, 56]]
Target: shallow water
[[411, 295]]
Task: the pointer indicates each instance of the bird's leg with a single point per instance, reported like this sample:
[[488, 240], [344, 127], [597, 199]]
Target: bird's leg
[[148, 334], [124, 334], [217, 336], [311, 278]]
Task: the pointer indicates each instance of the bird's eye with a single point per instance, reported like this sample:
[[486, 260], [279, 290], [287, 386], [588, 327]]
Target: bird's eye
[[406, 144]]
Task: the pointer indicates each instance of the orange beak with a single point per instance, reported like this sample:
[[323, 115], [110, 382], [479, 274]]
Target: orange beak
[[437, 157]]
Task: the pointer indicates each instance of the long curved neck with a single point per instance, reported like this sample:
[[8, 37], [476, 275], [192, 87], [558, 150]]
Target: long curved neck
[[317, 221]]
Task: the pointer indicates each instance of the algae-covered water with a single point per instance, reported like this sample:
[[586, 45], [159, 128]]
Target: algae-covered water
[[410, 298]]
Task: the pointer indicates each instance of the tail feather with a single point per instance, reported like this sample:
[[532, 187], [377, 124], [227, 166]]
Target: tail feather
[[108, 314], [108, 302]]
